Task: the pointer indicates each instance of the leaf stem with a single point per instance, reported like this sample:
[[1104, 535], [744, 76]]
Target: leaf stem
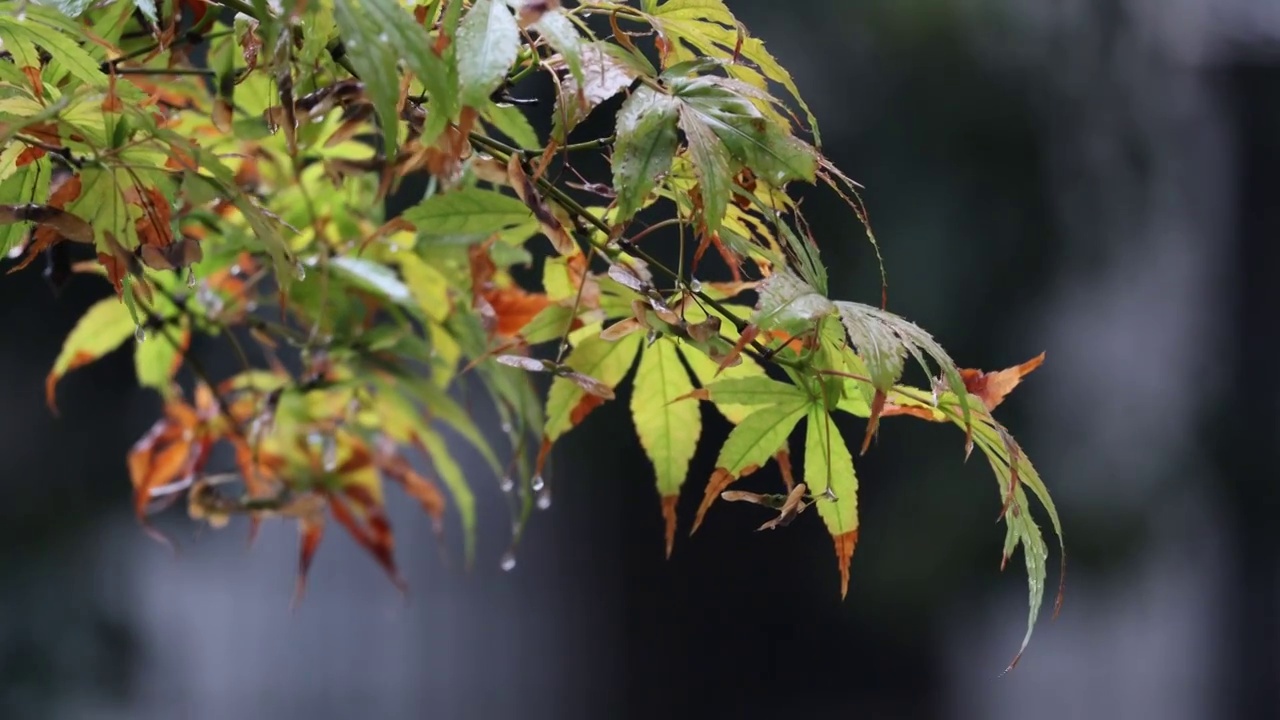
[[239, 6]]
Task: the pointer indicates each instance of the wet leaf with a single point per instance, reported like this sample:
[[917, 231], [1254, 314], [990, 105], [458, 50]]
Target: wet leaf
[[606, 71], [488, 42], [709, 27], [749, 137], [375, 59], [645, 146], [409, 41], [711, 163], [560, 32]]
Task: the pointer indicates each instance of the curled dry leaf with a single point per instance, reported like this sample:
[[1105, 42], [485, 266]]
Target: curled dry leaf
[[527, 191], [992, 387]]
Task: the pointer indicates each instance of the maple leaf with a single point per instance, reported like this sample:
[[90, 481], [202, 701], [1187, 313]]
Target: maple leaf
[[103, 328], [606, 71], [750, 445]]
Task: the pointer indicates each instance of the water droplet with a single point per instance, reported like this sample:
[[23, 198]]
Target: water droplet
[[139, 333], [352, 44], [544, 499], [384, 38], [506, 428], [507, 484], [191, 277], [251, 306], [538, 483], [695, 285], [652, 337], [300, 271], [17, 250], [236, 270], [329, 454], [21, 15], [508, 561]]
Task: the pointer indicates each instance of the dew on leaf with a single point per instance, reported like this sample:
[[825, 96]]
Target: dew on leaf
[[191, 277], [139, 333], [695, 285], [300, 271]]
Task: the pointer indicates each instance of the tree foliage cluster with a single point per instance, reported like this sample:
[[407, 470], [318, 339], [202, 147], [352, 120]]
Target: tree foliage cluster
[[225, 165]]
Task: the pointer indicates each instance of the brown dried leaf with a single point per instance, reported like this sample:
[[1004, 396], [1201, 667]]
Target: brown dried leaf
[[528, 193], [994, 386]]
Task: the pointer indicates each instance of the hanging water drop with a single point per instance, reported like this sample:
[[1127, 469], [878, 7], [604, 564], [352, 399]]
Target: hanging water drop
[[139, 333], [538, 483], [508, 561], [191, 277], [695, 285], [236, 271], [300, 271], [507, 484], [544, 499], [384, 38], [506, 428]]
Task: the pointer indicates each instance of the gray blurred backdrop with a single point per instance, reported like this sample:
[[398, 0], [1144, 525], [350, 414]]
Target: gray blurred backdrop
[[1092, 178]]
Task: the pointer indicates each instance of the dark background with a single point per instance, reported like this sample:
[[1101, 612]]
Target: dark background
[[1092, 178]]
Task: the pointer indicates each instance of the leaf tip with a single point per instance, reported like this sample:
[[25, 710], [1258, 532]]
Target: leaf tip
[[51, 392], [720, 479], [873, 422], [1062, 586], [669, 516], [845, 544]]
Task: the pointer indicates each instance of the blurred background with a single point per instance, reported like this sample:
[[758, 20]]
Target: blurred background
[[1091, 178]]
